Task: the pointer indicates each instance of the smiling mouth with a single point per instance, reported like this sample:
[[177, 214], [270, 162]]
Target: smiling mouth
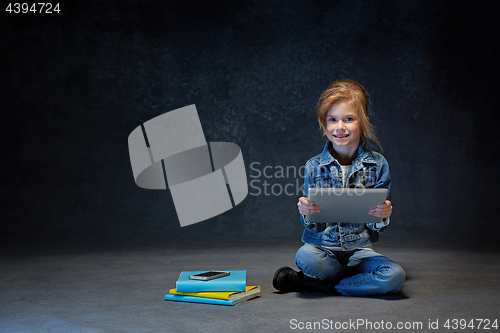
[[341, 136]]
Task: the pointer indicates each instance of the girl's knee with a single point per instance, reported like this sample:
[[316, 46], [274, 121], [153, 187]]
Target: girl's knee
[[399, 277], [395, 277], [308, 250], [309, 254], [317, 263]]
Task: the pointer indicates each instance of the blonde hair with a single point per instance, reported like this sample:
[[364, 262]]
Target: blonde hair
[[354, 93]]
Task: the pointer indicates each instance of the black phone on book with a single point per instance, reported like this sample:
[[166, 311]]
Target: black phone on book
[[209, 275]]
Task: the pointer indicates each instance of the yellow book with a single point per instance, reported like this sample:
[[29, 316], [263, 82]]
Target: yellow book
[[225, 295]]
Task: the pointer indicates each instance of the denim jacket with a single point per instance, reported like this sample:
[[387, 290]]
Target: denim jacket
[[370, 170]]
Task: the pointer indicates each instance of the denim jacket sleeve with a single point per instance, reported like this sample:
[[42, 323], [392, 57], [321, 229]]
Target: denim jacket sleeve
[[383, 181], [384, 177], [308, 182]]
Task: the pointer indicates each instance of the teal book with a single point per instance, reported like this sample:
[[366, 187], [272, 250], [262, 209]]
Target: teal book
[[236, 281], [194, 299]]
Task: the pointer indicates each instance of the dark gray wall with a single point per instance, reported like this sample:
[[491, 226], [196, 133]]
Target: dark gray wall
[[75, 84]]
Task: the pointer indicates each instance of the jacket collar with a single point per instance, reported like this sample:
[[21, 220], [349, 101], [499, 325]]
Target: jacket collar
[[363, 156]]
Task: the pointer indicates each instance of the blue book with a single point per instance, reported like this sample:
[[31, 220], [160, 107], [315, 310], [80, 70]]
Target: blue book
[[236, 281], [194, 299]]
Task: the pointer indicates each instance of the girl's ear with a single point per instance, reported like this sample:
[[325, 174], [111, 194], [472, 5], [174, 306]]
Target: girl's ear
[[368, 118]]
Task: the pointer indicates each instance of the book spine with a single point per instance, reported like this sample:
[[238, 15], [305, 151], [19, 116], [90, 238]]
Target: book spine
[[200, 286], [193, 299]]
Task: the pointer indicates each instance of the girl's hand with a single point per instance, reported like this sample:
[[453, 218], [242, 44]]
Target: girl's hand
[[307, 207], [383, 210]]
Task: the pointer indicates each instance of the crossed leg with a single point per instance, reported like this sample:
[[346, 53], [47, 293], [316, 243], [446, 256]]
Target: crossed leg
[[357, 272]]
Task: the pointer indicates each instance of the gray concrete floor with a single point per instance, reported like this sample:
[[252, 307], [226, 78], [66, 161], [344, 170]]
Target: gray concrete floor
[[121, 289]]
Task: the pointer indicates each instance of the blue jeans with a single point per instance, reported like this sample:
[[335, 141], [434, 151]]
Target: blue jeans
[[358, 272]]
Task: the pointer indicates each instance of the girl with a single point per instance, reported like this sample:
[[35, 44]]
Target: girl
[[337, 258]]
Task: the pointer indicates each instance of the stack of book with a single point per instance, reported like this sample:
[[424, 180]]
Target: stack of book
[[227, 290]]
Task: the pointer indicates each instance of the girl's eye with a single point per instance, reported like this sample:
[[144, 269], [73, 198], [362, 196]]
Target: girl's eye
[[331, 119], [349, 119]]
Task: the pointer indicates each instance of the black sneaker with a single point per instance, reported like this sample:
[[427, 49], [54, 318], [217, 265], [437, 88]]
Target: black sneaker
[[286, 279]]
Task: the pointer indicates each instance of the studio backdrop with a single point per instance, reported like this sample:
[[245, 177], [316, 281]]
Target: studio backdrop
[[76, 83]]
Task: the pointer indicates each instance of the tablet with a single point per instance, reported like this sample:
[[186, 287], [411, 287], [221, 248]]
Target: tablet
[[345, 205]]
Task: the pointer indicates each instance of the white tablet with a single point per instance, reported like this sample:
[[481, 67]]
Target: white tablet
[[345, 205]]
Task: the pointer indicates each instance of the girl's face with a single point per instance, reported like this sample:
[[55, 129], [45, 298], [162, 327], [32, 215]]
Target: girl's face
[[343, 127]]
